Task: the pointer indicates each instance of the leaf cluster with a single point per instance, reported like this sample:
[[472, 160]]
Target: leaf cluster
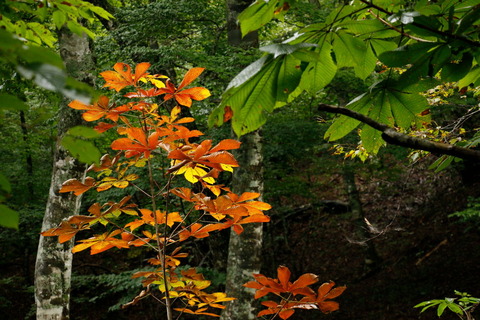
[[462, 305], [288, 291], [148, 135], [406, 47]]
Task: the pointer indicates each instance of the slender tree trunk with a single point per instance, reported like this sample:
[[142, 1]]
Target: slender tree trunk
[[54, 260], [244, 250], [362, 233]]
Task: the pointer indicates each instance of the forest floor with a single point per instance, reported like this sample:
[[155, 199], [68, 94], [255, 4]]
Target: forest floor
[[422, 253]]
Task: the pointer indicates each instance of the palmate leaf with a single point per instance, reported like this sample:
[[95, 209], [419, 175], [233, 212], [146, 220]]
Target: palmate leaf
[[388, 102], [261, 12], [353, 52], [259, 89], [319, 73]]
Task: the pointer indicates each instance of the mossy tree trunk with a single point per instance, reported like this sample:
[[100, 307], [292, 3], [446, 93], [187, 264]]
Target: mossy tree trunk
[[244, 250], [54, 260]]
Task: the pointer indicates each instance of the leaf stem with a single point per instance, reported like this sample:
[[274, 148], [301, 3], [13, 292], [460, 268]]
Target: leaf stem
[[161, 249]]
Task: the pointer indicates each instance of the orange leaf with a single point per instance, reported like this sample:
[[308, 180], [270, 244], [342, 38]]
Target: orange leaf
[[184, 96], [226, 144], [283, 275], [67, 229], [328, 306], [76, 186], [285, 314], [190, 76], [99, 109], [228, 114], [103, 126], [326, 292], [303, 281], [123, 77], [100, 243]]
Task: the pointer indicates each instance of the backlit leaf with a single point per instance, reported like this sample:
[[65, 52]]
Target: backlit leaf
[[10, 102], [8, 217]]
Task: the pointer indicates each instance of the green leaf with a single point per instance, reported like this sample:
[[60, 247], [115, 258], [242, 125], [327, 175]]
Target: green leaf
[[405, 55], [371, 139], [247, 73], [471, 77], [427, 65], [44, 75], [101, 12], [306, 55], [84, 132], [9, 102], [59, 18], [79, 29], [43, 33], [372, 28], [320, 73], [353, 52], [455, 308], [406, 106], [288, 78], [388, 102], [7, 41], [380, 46], [441, 308], [455, 71], [252, 100], [441, 163], [5, 184], [84, 151], [468, 20], [53, 78], [341, 12], [8, 217], [425, 27], [261, 87], [257, 15], [343, 124], [32, 54]]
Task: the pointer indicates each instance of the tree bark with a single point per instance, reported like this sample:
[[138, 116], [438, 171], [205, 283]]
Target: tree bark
[[361, 231], [244, 250], [54, 260], [234, 8]]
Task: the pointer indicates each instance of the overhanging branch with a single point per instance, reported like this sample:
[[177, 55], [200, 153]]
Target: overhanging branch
[[390, 135]]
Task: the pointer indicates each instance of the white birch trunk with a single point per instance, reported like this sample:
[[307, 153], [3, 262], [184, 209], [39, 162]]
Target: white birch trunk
[[54, 260], [245, 250]]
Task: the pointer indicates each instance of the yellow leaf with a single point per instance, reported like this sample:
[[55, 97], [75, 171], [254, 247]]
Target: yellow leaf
[[122, 184], [157, 83]]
